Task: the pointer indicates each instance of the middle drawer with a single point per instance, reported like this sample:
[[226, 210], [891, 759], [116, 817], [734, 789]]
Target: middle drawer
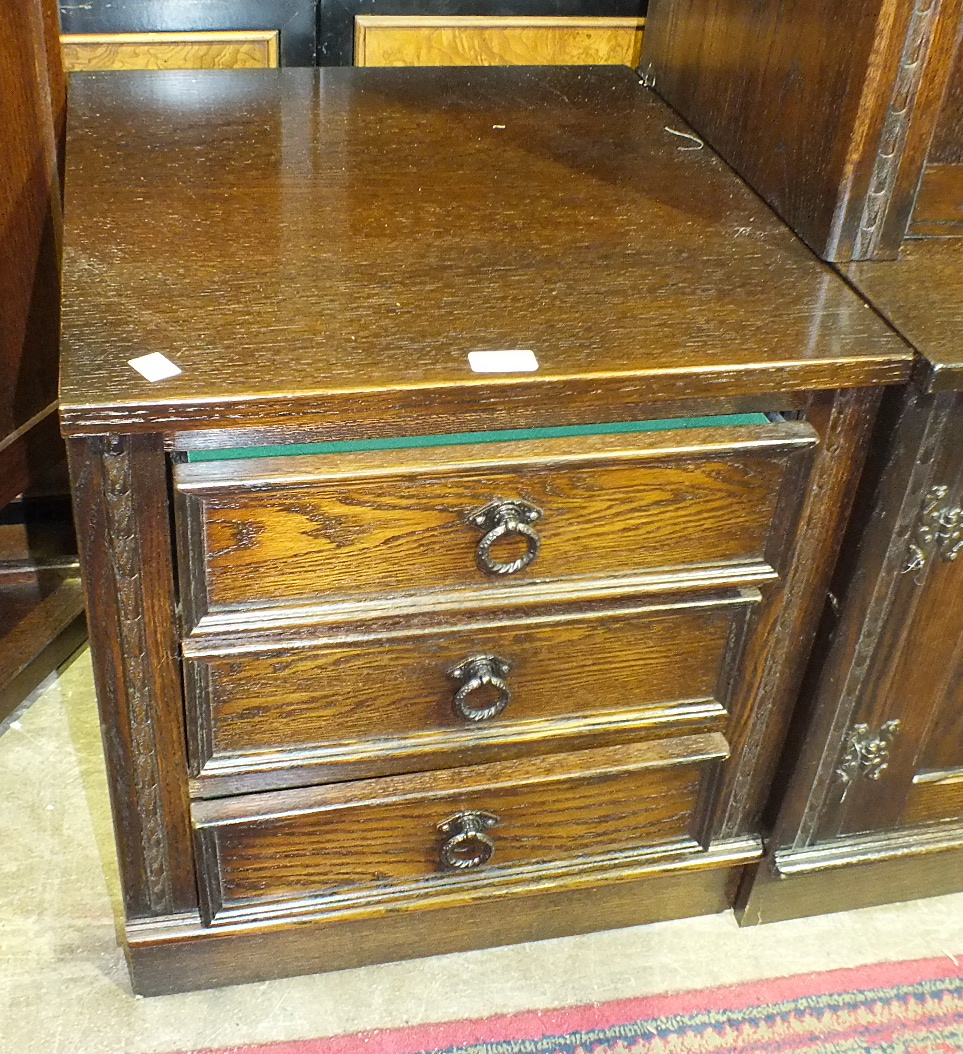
[[474, 689]]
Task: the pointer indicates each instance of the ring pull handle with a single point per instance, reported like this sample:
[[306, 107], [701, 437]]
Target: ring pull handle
[[475, 674], [502, 519], [467, 843]]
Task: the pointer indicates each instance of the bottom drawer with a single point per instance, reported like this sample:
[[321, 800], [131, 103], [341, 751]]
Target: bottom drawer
[[412, 832]]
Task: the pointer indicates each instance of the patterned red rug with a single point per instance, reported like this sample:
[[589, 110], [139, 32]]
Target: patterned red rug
[[890, 1008]]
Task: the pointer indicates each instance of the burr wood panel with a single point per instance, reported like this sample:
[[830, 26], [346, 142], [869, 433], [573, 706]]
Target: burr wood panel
[[222, 50], [495, 40]]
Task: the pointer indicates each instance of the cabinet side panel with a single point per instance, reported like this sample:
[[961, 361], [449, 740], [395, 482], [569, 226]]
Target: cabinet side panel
[[31, 107], [947, 146], [121, 508], [783, 631]]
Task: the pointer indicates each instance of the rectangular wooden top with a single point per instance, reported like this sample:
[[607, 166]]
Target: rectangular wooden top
[[326, 247]]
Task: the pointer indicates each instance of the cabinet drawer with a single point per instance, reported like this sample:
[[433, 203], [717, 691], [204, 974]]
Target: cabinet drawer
[[475, 690], [398, 833], [330, 529]]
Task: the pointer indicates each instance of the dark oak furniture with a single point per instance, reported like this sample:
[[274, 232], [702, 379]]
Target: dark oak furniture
[[846, 118], [873, 809], [40, 596], [394, 657]]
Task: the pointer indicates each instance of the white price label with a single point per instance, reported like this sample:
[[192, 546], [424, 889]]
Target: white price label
[[155, 367], [516, 361]]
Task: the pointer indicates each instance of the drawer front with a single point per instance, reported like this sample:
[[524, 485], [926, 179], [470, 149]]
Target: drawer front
[[487, 822], [472, 692], [340, 528]]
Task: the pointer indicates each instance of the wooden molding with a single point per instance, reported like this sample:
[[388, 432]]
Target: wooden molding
[[230, 50], [766, 896], [457, 40]]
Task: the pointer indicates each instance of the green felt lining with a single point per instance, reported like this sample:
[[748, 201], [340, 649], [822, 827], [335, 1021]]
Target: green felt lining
[[464, 438]]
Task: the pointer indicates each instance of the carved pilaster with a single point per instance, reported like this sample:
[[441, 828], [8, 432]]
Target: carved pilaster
[[896, 125], [123, 548], [120, 494]]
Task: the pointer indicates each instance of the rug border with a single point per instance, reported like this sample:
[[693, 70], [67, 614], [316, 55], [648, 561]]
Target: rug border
[[526, 1024]]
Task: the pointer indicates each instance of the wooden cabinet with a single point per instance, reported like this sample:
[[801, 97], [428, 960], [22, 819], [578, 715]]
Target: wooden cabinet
[[873, 809], [472, 553], [242, 34], [859, 146], [40, 605], [189, 34], [829, 110]]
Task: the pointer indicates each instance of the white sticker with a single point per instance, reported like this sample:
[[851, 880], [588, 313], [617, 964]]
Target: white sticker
[[518, 361], [155, 367]]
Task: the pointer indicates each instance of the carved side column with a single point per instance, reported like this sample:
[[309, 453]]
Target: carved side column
[[123, 526]]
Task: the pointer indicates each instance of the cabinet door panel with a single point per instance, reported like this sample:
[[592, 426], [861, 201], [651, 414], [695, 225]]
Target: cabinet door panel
[[904, 743]]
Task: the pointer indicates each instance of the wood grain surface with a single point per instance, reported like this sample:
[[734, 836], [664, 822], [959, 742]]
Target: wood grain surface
[[31, 112], [947, 146], [41, 625], [348, 278], [181, 953], [826, 109], [41, 610], [295, 21], [384, 833], [896, 872], [224, 50], [362, 526], [922, 296], [495, 40], [938, 212], [373, 704]]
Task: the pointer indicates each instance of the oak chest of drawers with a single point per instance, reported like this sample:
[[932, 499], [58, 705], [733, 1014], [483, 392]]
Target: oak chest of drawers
[[456, 589]]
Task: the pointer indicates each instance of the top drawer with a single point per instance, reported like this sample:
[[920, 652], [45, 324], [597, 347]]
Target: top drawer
[[311, 531]]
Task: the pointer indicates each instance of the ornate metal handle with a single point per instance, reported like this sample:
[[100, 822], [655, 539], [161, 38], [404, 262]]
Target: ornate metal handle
[[476, 673], [499, 519], [467, 845]]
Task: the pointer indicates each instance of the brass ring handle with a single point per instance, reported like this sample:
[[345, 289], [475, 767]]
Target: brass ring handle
[[467, 844], [500, 519], [478, 672]]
